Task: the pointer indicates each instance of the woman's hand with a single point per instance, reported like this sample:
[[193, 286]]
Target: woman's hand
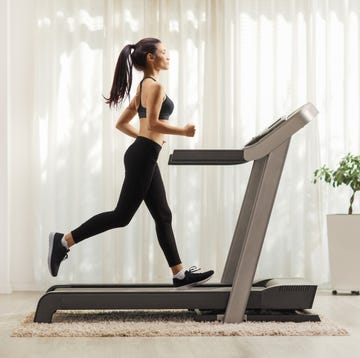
[[189, 130]]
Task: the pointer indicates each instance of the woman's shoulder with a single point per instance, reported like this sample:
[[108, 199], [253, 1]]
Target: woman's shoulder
[[154, 87], [151, 83]]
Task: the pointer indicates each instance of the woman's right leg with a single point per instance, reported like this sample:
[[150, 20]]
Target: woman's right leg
[[140, 160], [139, 168], [128, 203]]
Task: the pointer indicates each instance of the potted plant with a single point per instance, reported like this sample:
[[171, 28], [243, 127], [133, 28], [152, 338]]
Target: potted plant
[[343, 229]]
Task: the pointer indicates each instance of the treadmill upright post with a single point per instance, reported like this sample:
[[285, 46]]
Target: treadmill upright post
[[250, 230]]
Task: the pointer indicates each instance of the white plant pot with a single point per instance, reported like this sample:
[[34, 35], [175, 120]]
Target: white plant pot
[[344, 251]]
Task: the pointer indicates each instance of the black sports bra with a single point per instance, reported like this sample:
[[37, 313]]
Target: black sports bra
[[166, 109]]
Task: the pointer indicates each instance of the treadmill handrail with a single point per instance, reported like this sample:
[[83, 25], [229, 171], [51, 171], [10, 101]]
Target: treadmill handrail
[[260, 146], [207, 157]]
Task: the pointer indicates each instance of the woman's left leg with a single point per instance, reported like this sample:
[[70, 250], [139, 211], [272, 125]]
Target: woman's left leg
[[155, 200]]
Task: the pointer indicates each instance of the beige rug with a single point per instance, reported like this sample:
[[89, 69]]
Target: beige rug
[[162, 323]]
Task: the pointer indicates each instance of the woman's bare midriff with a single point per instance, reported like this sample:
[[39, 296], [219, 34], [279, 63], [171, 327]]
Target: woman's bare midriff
[[146, 132]]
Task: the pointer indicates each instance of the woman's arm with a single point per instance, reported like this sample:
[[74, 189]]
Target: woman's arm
[[153, 106], [123, 123]]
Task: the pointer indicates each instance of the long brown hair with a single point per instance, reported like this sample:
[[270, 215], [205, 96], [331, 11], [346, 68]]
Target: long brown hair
[[130, 55]]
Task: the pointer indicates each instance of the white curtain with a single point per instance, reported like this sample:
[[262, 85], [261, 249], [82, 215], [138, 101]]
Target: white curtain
[[236, 66]]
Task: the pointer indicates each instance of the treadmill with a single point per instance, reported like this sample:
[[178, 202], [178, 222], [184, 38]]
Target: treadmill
[[236, 298]]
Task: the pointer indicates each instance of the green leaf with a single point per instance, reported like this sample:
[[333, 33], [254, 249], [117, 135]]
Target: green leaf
[[347, 173]]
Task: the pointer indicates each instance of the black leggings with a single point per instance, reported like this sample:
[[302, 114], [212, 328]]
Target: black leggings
[[142, 182]]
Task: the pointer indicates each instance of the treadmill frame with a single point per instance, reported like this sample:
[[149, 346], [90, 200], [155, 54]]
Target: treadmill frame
[[234, 289]]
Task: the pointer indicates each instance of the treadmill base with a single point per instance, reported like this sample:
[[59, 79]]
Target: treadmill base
[[261, 316]]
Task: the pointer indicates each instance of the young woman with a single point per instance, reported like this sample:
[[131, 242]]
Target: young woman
[[142, 176]]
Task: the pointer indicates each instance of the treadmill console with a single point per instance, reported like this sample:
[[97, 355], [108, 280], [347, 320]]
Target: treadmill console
[[266, 131]]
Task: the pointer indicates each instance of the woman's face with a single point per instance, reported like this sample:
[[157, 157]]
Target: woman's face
[[161, 61]]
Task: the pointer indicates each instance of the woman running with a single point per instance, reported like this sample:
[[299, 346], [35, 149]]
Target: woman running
[[143, 180]]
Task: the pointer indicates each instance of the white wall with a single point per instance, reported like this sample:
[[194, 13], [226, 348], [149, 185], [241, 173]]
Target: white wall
[[4, 252], [15, 134]]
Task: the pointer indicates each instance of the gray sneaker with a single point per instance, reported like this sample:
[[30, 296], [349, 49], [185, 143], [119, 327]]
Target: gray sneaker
[[57, 252]]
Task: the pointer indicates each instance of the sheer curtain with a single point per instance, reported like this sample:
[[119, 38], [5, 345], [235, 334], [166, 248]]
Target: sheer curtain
[[236, 66]]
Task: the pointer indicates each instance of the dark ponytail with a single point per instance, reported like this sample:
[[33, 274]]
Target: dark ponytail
[[130, 55]]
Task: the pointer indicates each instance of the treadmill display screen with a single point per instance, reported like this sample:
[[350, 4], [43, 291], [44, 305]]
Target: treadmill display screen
[[266, 131]]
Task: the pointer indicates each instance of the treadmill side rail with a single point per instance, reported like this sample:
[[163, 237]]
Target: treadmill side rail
[[92, 298]]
